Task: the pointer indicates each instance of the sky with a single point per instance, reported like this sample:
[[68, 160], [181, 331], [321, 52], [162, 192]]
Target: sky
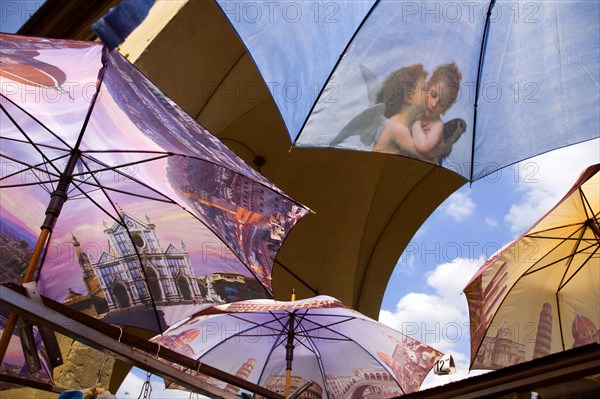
[[424, 295], [14, 13]]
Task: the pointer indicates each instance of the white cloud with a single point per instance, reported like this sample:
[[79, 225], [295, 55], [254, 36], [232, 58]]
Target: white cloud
[[449, 279], [440, 319], [406, 265], [493, 223], [545, 179], [459, 206]]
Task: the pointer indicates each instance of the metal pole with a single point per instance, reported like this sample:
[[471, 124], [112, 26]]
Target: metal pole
[[289, 351]]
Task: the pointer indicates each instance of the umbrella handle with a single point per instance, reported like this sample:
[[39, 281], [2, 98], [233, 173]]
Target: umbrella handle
[[288, 381]]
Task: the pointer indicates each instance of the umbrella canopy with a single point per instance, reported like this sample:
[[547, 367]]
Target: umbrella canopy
[[342, 352], [541, 293], [156, 217], [471, 86]]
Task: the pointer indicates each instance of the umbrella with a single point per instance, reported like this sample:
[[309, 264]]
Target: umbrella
[[157, 217], [541, 293], [471, 86], [341, 352]]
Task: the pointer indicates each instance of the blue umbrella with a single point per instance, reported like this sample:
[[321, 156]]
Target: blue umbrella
[[473, 86]]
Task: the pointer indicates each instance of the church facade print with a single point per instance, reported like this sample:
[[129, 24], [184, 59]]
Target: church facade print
[[137, 272]]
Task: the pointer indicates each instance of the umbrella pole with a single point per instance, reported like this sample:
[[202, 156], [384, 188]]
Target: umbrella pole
[[57, 200], [289, 352]]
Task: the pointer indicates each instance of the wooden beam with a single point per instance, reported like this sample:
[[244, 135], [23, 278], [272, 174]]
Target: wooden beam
[[24, 382], [142, 353], [535, 375]]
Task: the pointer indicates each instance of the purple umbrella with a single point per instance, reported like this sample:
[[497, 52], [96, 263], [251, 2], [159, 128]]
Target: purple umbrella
[[145, 215]]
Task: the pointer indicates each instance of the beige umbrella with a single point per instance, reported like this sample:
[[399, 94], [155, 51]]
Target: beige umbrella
[[541, 293]]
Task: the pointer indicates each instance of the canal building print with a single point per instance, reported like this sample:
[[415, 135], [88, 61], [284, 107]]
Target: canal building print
[[410, 362], [358, 383], [242, 213]]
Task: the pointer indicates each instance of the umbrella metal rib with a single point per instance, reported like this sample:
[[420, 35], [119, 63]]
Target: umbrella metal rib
[[484, 40], [319, 358], [57, 200], [565, 258], [574, 247], [33, 118]]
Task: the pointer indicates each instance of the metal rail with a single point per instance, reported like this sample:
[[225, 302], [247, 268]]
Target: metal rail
[[125, 346]]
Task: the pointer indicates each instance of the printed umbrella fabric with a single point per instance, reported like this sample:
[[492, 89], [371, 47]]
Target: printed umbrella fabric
[[541, 293], [342, 352], [505, 80], [160, 217]]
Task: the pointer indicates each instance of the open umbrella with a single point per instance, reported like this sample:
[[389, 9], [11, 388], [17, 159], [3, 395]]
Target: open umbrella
[[541, 293], [343, 353], [471, 86], [157, 217]]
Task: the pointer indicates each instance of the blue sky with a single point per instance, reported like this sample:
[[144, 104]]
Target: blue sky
[[424, 295], [15, 13]]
